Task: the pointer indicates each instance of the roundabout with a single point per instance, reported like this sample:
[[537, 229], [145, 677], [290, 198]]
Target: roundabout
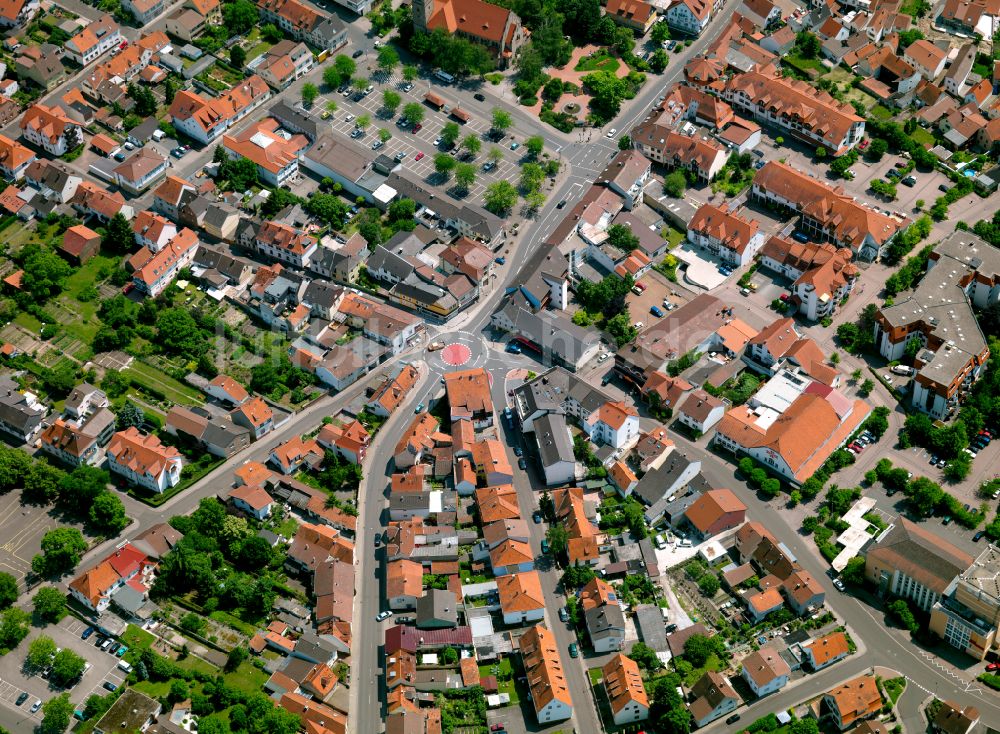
[[456, 354]]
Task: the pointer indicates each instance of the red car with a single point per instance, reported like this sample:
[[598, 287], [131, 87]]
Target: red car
[[993, 666], [863, 144], [418, 156], [416, 128], [783, 296]]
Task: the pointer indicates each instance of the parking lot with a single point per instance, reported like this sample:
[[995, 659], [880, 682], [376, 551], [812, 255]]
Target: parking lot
[[658, 289], [410, 143], [14, 678], [21, 529]]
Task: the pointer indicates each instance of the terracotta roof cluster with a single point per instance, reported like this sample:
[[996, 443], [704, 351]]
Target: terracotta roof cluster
[[841, 216], [638, 11], [584, 540], [711, 506], [13, 155], [826, 267], [826, 648], [315, 544], [623, 683], [210, 113], [520, 592], [153, 267], [855, 700], [91, 197], [261, 144], [468, 393], [393, 390], [692, 152], [475, 18], [47, 122], [121, 564]]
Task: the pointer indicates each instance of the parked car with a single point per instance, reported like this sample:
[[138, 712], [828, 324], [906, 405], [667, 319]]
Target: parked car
[[563, 614], [545, 545], [978, 536], [839, 585], [536, 516], [479, 97], [909, 181], [522, 464], [500, 260], [514, 348], [902, 369], [36, 705], [357, 54], [993, 666], [574, 650], [418, 156], [382, 616], [947, 520], [109, 686], [87, 633], [377, 144], [733, 719], [419, 408], [408, 86], [611, 133], [21, 699], [655, 310], [518, 451]]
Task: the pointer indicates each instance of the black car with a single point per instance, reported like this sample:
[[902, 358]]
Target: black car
[[108, 685], [21, 699], [943, 187], [671, 628], [357, 53], [522, 464], [537, 517], [733, 719], [978, 536], [378, 540], [480, 97], [561, 204]]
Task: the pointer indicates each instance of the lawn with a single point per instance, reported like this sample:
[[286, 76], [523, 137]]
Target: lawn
[[256, 45], [137, 639], [713, 664], [807, 66], [595, 675], [600, 61], [894, 688], [858, 95], [157, 689], [18, 235], [29, 322], [247, 678], [673, 236], [159, 383], [838, 75], [923, 137], [880, 113], [288, 527]]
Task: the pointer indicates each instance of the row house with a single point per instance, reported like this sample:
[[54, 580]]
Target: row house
[[626, 175], [144, 11], [798, 109], [927, 58], [702, 156], [543, 667], [144, 460], [54, 180], [92, 200], [285, 243], [41, 65], [152, 231], [349, 442], [79, 442], [304, 23], [726, 234], [689, 16], [155, 271], [106, 82], [206, 119], [626, 692], [51, 129]]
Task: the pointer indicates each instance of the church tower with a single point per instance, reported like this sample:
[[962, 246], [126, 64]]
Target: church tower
[[422, 11]]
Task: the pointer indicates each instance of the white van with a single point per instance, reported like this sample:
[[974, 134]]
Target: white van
[[444, 76], [902, 369], [124, 666], [660, 542]]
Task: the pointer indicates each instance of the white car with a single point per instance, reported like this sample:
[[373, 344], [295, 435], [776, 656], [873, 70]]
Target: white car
[[36, 705], [611, 133], [382, 616], [902, 369], [603, 357], [637, 324], [408, 86]]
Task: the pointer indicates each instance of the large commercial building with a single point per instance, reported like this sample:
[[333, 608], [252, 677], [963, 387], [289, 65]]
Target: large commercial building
[[968, 613]]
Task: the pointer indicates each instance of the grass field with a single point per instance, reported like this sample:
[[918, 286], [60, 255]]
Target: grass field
[[598, 62], [923, 137], [29, 322], [158, 382], [674, 236], [880, 113]]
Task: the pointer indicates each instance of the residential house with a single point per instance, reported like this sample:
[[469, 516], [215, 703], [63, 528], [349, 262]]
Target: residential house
[[613, 424], [80, 243], [144, 11], [185, 24], [765, 671], [703, 157], [543, 668], [404, 584], [715, 512], [822, 274], [296, 453], [256, 415], [54, 180], [17, 12], [92, 200], [606, 627], [141, 170], [285, 62], [762, 603], [951, 718], [700, 411], [40, 65], [253, 500], [94, 40], [144, 461], [625, 690], [154, 272], [712, 697], [689, 16], [521, 599], [392, 391], [852, 702], [206, 119], [285, 244], [349, 442], [927, 58], [826, 651], [14, 159], [638, 15], [437, 609], [132, 711], [227, 390]]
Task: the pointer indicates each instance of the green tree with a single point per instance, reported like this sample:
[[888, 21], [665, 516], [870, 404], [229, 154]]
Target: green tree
[[107, 514], [621, 238], [876, 149], [450, 133], [558, 538], [40, 652], [413, 112], [925, 495], [807, 45], [410, 73], [384, 135], [535, 145], [145, 101], [699, 648], [179, 691], [659, 33], [130, 416], [901, 612], [645, 657], [14, 626], [500, 197], [330, 208], [659, 61], [61, 551], [309, 94], [854, 571], [576, 576], [501, 121], [271, 33], [332, 78], [49, 604], [621, 329], [674, 184], [345, 66], [444, 164], [178, 333], [236, 658], [8, 590], [362, 122], [237, 56], [770, 487], [391, 101], [388, 59], [958, 468], [67, 666], [709, 585], [45, 272], [240, 16], [472, 144], [465, 176]]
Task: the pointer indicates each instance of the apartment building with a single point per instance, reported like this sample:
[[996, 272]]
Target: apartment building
[[14, 159], [144, 11], [822, 275], [968, 613], [702, 156], [305, 23], [142, 169], [731, 237], [797, 109], [51, 129], [205, 119], [827, 214], [626, 693], [153, 272], [689, 16], [285, 62]]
